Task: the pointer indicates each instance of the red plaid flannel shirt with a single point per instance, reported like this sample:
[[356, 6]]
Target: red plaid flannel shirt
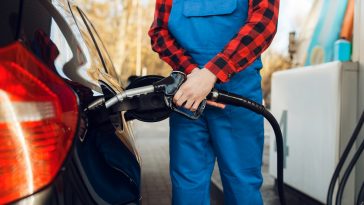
[[246, 46]]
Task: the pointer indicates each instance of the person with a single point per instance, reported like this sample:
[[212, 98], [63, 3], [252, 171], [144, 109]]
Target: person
[[218, 43]]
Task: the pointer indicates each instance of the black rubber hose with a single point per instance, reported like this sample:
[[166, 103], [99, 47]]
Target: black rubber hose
[[233, 99], [342, 160], [360, 200], [351, 165]]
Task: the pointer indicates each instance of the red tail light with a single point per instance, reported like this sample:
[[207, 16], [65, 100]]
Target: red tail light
[[38, 119]]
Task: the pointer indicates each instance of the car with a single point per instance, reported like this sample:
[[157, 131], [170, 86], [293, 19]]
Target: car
[[53, 150]]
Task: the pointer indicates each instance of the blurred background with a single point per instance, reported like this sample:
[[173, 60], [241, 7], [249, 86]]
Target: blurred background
[[123, 25]]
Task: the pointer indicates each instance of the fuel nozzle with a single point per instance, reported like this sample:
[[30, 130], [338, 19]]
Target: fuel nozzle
[[168, 86]]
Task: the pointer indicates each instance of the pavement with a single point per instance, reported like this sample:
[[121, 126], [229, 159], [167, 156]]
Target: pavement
[[152, 143]]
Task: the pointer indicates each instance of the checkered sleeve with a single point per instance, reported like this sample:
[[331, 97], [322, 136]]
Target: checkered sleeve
[[164, 43], [250, 42]]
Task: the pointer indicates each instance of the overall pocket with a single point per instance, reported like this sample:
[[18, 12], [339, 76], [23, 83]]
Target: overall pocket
[[193, 8]]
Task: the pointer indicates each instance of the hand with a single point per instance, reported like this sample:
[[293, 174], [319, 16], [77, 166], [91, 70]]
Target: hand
[[197, 86]]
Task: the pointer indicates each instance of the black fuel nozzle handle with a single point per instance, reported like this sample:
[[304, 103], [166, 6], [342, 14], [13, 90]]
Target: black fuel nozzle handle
[[169, 86], [186, 113]]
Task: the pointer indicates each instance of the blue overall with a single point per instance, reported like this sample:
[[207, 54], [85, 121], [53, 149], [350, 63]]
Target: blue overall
[[234, 136]]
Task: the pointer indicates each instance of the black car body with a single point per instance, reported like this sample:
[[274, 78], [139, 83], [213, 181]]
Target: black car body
[[52, 64]]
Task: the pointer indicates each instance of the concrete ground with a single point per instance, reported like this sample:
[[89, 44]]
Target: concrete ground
[[152, 143]]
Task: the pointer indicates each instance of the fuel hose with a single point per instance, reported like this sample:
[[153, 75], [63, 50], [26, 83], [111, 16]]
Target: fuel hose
[[341, 163], [352, 163], [360, 199], [236, 100]]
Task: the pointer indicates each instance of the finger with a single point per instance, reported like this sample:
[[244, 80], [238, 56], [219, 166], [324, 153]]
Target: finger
[[215, 104], [195, 105], [181, 100], [177, 96], [189, 104], [181, 92]]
